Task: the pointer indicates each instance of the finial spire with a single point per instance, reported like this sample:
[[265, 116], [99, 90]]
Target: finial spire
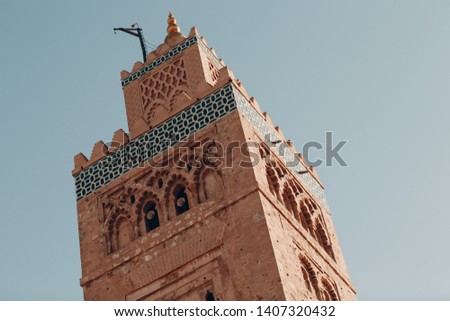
[[172, 24]]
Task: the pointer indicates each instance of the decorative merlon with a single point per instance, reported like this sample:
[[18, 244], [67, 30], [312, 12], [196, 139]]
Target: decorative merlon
[[119, 139], [255, 104], [102, 169], [99, 151], [267, 118], [80, 160], [278, 129]]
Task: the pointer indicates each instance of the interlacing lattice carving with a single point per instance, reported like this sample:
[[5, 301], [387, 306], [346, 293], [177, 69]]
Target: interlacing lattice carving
[[162, 88], [176, 128], [171, 54], [213, 70], [156, 140]]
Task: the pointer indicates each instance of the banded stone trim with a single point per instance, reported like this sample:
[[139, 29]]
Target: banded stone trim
[[209, 53], [157, 62], [155, 141], [270, 135], [179, 127], [169, 55]]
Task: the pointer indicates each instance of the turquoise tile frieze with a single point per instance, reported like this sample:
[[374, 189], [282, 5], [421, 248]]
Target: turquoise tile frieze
[[155, 63], [169, 55], [270, 135], [155, 141], [177, 128]]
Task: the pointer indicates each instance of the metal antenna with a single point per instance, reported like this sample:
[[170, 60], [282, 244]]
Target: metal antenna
[[137, 32]]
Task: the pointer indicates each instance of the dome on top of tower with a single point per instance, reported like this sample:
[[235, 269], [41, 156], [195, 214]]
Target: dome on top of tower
[[173, 30], [172, 24]]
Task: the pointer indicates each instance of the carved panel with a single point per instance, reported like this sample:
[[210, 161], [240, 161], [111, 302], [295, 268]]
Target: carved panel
[[125, 208], [270, 135], [162, 88], [157, 62], [155, 141], [213, 70]]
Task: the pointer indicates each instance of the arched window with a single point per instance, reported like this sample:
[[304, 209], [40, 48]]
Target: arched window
[[326, 296], [301, 219], [306, 278], [209, 296], [323, 240], [271, 184], [310, 276], [181, 199], [318, 238], [306, 214], [272, 180], [329, 291], [150, 216], [290, 206]]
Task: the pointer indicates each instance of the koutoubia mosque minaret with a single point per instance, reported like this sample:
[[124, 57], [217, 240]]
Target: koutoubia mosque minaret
[[203, 198]]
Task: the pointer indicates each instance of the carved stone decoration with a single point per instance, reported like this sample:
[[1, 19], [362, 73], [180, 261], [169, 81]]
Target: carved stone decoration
[[194, 170], [119, 228], [166, 213], [329, 290], [213, 70], [273, 181], [145, 197], [160, 90], [316, 281], [312, 275], [292, 196]]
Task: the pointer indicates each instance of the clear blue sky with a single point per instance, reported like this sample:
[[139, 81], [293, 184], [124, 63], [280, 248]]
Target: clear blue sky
[[376, 73]]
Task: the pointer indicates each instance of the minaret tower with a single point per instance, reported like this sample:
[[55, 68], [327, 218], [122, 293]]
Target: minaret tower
[[203, 198]]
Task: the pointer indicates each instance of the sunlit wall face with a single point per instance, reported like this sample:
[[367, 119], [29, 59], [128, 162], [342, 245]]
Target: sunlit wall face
[[376, 74]]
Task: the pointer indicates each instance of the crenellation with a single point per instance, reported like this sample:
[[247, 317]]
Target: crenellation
[[213, 51], [255, 104], [168, 211], [99, 151], [243, 91], [137, 65], [280, 132], [162, 49], [124, 74], [193, 32], [151, 56], [80, 160], [268, 119]]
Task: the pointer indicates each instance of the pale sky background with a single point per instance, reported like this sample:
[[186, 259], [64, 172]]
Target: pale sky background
[[376, 73]]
